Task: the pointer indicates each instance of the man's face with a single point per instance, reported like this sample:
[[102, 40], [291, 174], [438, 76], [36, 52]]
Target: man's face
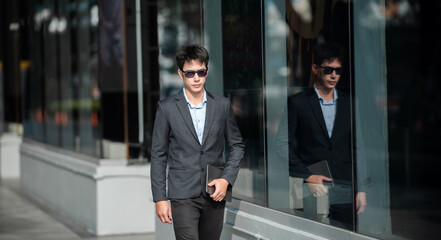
[[326, 79], [195, 84]]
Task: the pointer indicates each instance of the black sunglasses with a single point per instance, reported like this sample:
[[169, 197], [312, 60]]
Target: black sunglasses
[[190, 74], [328, 70]]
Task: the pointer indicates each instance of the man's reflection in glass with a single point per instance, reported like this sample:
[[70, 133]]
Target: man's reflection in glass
[[319, 128]]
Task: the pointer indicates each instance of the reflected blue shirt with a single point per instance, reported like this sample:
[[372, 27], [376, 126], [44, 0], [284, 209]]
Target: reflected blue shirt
[[328, 110], [198, 115]]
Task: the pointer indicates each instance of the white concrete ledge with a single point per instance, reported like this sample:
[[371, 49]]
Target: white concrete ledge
[[106, 196], [9, 155]]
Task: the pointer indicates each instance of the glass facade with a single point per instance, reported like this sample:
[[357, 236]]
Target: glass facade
[[243, 84], [179, 22], [1, 70], [62, 95], [13, 70], [262, 54], [398, 116], [261, 58], [84, 91]]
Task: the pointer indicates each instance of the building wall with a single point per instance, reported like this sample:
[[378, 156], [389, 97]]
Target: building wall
[[106, 198]]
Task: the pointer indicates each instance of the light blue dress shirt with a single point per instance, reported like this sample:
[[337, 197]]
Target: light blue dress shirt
[[328, 110], [198, 115]]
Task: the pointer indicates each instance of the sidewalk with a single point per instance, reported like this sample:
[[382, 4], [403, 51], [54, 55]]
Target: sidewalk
[[24, 218]]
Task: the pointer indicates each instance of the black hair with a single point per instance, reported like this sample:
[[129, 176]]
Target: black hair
[[190, 52], [327, 52]]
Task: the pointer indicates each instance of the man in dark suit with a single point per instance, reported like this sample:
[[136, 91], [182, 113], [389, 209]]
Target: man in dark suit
[[190, 131], [319, 128]]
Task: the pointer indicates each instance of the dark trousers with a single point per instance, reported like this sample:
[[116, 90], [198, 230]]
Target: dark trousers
[[341, 213], [340, 205], [197, 218]]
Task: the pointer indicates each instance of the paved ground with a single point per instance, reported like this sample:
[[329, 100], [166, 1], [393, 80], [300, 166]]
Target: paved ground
[[24, 218]]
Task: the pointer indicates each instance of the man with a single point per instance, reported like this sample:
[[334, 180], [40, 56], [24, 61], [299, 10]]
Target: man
[[190, 130], [319, 128]]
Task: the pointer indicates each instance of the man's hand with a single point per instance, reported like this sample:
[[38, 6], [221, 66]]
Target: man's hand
[[315, 185], [220, 186], [360, 202], [163, 210]]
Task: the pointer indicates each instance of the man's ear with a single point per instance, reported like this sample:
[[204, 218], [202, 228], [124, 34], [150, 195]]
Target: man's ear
[[180, 74], [314, 68]]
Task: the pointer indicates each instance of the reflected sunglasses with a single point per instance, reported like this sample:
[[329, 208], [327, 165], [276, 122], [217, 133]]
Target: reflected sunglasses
[[190, 74], [329, 70]]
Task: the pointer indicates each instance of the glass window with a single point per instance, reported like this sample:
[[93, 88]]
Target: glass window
[[150, 68], [72, 43], [243, 83], [111, 62], [12, 70], [276, 74], [61, 107], [397, 102], [51, 80], [2, 120], [85, 81], [308, 109], [33, 122], [179, 23], [65, 114]]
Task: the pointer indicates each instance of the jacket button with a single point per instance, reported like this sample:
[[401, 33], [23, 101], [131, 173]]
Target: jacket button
[[203, 169], [202, 152]]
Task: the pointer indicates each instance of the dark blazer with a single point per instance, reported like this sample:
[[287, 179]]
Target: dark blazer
[[308, 136], [175, 142]]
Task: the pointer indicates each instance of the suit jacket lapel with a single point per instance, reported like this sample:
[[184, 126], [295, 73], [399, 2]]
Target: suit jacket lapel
[[209, 116], [316, 109], [182, 105]]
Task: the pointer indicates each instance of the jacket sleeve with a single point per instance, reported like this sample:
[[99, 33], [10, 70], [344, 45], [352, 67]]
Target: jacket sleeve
[[296, 166], [159, 154], [363, 180], [235, 147]]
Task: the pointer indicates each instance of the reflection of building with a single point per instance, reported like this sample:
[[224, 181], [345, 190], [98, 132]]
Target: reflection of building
[[80, 81]]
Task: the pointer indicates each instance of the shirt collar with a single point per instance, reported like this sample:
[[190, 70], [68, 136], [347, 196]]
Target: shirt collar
[[200, 104], [320, 96]]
